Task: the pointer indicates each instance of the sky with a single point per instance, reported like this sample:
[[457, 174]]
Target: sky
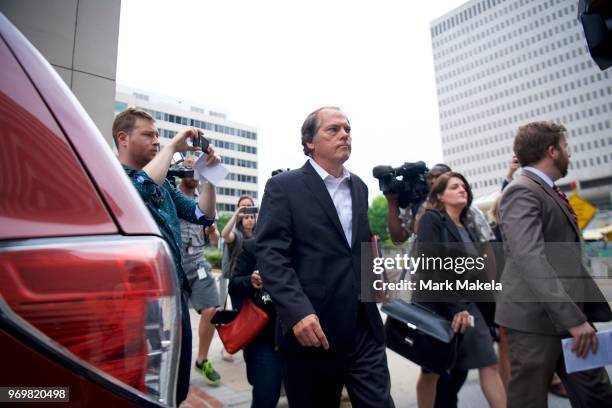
[[270, 63]]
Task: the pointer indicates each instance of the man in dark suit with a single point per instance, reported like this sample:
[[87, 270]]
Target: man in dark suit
[[311, 226], [547, 292]]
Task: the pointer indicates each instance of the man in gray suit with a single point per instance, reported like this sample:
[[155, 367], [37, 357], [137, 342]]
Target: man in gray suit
[[547, 292]]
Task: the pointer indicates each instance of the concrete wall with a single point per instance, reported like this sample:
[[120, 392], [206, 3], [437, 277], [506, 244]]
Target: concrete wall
[[79, 38]]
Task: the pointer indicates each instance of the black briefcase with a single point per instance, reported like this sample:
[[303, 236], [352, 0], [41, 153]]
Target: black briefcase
[[420, 335]]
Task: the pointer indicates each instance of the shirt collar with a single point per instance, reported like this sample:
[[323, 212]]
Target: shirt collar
[[324, 174], [540, 174]]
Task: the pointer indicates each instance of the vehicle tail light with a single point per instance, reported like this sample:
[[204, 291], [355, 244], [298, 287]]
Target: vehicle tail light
[[111, 302]]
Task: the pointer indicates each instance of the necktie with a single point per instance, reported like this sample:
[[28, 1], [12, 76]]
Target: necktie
[[562, 195]]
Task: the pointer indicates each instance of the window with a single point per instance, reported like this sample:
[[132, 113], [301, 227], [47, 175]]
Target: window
[[120, 106]]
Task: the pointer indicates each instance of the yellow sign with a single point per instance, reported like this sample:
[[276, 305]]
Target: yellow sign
[[584, 210]]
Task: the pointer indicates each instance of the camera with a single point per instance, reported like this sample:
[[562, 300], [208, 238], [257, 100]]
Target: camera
[[201, 142], [408, 181], [279, 171], [178, 171], [250, 210]]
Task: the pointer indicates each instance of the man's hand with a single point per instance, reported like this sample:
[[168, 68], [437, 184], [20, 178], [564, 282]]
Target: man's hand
[[391, 198], [396, 230], [309, 333], [179, 141], [213, 233], [212, 157], [210, 230], [158, 167], [585, 338], [512, 167], [208, 197]]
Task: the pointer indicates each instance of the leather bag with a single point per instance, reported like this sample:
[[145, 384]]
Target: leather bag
[[249, 322], [420, 335]]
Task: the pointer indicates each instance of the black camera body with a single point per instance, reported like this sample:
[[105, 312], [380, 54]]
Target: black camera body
[[250, 210], [178, 171], [175, 171], [201, 142], [279, 171], [411, 188]]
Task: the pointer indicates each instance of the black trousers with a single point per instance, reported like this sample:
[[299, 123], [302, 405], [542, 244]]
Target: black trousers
[[448, 388], [316, 379], [533, 360], [184, 366]]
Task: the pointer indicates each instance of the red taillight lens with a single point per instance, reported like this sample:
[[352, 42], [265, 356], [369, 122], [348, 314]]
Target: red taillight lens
[[93, 296]]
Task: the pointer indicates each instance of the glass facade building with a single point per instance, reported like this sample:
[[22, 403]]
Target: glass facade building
[[500, 64]]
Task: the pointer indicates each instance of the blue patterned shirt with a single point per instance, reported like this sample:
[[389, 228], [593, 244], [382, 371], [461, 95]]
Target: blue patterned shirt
[[167, 204]]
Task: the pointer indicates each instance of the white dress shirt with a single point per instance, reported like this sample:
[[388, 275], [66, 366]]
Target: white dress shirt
[[340, 193]]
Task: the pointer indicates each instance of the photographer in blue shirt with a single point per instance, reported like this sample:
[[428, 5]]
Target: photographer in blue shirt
[[137, 141]]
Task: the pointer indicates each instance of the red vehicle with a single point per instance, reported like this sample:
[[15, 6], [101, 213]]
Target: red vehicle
[[88, 294]]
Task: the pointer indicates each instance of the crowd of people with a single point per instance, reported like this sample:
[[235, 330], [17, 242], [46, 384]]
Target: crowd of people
[[299, 259]]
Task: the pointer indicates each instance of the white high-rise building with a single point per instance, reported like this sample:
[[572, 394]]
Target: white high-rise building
[[236, 143], [500, 64]]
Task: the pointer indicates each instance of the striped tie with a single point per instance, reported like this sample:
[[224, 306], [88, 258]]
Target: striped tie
[[562, 195]]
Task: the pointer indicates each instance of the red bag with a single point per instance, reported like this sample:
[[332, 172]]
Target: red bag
[[249, 322]]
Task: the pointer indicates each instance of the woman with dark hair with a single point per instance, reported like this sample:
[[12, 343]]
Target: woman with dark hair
[[444, 222], [239, 227], [238, 223], [263, 361]]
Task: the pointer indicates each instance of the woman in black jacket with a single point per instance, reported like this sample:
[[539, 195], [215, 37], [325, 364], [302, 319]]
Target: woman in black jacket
[[444, 223], [263, 361]]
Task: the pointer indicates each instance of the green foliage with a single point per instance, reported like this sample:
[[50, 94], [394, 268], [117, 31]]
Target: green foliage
[[223, 219], [377, 217], [214, 256]]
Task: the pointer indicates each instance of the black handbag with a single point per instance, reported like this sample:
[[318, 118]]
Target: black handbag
[[420, 335]]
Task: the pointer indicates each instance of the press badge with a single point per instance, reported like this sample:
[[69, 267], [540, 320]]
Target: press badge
[[202, 273]]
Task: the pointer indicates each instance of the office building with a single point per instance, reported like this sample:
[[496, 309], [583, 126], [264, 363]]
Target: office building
[[235, 142], [500, 64]]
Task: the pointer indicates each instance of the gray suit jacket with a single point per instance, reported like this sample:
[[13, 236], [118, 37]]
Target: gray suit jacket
[[546, 288]]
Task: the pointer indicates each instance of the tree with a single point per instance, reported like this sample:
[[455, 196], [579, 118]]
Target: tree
[[223, 219], [377, 217]]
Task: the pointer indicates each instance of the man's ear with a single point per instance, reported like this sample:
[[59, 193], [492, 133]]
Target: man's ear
[[552, 151], [122, 138], [310, 146]]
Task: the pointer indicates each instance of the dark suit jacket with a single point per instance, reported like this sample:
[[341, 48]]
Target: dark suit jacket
[[305, 262], [438, 236], [544, 280]]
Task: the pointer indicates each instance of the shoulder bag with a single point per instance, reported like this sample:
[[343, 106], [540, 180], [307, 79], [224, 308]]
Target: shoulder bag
[[240, 331], [420, 335]]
